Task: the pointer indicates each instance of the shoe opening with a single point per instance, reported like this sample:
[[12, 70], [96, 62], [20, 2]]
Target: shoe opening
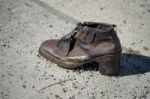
[[101, 26]]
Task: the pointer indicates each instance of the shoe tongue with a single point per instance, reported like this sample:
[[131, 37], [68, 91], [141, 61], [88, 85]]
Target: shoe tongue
[[67, 44], [64, 45]]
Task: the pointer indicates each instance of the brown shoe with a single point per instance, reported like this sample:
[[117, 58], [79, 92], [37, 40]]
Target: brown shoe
[[87, 42]]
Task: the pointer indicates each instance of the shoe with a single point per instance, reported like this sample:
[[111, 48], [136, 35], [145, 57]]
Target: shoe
[[89, 41]]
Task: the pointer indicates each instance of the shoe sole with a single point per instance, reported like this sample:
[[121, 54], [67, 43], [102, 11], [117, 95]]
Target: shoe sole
[[108, 64], [58, 61]]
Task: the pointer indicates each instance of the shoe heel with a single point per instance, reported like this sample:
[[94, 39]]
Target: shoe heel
[[109, 65]]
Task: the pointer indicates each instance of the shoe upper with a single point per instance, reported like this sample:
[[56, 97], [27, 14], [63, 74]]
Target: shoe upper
[[88, 40]]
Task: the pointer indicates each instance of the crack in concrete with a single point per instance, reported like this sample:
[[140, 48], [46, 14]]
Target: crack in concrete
[[56, 12]]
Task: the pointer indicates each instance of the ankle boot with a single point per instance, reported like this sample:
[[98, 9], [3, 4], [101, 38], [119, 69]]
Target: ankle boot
[[89, 41]]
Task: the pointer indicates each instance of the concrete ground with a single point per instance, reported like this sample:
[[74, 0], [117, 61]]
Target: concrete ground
[[24, 24]]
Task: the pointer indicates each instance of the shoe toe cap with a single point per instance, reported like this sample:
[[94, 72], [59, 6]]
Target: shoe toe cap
[[48, 46]]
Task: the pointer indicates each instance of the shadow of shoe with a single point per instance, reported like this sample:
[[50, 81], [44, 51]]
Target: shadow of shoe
[[92, 66], [131, 64]]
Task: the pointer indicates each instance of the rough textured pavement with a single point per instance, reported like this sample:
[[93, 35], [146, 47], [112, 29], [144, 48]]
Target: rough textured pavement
[[24, 24]]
